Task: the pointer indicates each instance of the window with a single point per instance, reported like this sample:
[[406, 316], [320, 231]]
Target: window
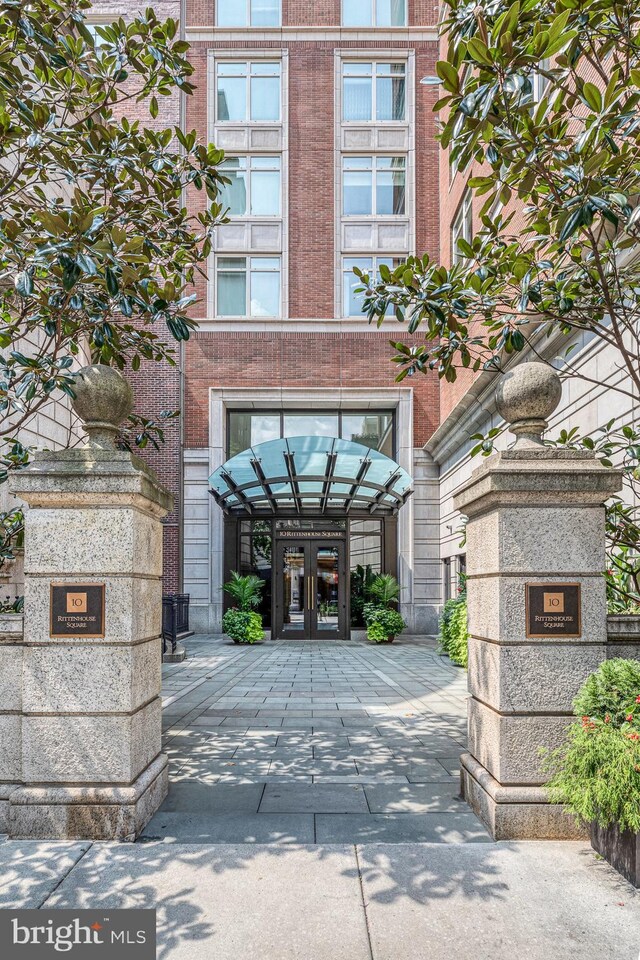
[[461, 228], [366, 561], [248, 91], [374, 13], [248, 13], [373, 91], [352, 301], [373, 186], [255, 186], [248, 286], [373, 428]]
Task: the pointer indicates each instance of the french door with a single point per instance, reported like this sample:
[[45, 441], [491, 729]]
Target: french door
[[311, 596]]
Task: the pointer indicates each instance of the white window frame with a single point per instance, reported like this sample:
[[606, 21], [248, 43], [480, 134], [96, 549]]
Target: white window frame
[[247, 21], [374, 23], [248, 258], [374, 86], [375, 259], [374, 176], [221, 63], [249, 158], [462, 226]]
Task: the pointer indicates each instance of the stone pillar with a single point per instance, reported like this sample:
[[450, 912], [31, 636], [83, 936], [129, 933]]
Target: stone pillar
[[11, 629], [91, 725], [535, 516]]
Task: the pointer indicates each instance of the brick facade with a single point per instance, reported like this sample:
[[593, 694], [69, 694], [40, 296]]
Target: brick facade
[[288, 356]]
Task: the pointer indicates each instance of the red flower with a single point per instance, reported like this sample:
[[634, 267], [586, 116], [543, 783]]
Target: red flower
[[607, 719], [634, 736], [637, 699], [629, 718]]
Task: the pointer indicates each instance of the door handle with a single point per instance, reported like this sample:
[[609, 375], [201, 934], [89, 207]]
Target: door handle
[[310, 604]]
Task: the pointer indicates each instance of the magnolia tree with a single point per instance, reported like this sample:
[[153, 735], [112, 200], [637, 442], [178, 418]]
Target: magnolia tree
[[98, 252], [541, 108]]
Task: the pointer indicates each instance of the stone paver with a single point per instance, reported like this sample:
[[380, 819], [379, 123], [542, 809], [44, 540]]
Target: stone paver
[[309, 731]]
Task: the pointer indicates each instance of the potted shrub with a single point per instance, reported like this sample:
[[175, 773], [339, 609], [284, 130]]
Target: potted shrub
[[242, 623], [596, 773], [384, 625], [383, 622]]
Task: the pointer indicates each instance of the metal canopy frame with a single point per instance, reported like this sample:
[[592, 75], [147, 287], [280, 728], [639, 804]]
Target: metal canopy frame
[[281, 476]]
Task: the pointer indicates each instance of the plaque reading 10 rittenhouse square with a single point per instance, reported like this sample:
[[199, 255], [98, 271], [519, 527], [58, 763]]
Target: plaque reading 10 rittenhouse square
[[553, 610], [77, 610]]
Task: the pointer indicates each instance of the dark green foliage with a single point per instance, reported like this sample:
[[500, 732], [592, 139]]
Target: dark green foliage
[[98, 249], [453, 636], [243, 626], [384, 590], [383, 623], [596, 773], [360, 585], [610, 691], [555, 164], [246, 591]]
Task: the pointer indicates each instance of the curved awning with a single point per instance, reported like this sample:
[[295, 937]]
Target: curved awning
[[310, 474]]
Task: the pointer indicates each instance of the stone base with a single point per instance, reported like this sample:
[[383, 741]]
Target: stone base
[[89, 813], [177, 656], [6, 789], [514, 813]]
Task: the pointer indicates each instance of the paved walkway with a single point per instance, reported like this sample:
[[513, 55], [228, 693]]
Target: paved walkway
[[315, 743], [391, 741]]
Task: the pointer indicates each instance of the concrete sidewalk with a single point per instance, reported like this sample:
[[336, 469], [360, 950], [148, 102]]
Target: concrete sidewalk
[[533, 901]]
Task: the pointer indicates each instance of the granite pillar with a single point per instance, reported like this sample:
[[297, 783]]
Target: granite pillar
[[535, 515], [92, 767]]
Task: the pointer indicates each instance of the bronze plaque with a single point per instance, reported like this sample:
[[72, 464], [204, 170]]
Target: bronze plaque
[[553, 610], [77, 610]]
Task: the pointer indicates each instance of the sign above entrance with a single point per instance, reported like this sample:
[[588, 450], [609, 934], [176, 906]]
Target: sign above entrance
[[310, 534], [319, 475], [553, 610], [77, 610]]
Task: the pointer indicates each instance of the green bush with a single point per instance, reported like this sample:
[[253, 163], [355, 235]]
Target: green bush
[[383, 623], [384, 590], [453, 636], [243, 626], [596, 773]]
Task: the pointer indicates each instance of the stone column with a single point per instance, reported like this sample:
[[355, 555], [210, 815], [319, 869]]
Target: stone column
[[11, 629], [535, 515], [91, 761]]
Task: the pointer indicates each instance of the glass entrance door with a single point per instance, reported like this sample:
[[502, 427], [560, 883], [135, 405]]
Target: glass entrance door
[[311, 597]]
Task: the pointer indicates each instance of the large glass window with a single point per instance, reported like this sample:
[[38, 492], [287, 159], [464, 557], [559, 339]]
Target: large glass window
[[248, 13], [255, 558], [373, 186], [365, 563], [352, 301], [255, 186], [374, 13], [248, 91], [310, 425], [373, 428], [373, 91], [248, 286]]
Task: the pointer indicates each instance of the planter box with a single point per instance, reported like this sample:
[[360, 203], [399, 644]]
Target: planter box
[[623, 636], [620, 848]]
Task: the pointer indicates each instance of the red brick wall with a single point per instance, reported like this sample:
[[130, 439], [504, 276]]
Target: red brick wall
[[290, 359]]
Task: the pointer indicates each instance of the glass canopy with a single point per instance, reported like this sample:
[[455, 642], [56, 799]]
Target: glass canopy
[[310, 474]]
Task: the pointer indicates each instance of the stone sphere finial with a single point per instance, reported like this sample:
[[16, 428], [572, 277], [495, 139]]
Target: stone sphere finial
[[103, 399], [526, 397]]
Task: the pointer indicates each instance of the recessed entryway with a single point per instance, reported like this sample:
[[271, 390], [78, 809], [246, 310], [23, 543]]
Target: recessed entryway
[[306, 742]]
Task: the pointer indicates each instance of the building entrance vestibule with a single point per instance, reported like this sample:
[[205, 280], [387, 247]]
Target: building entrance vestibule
[[311, 589]]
